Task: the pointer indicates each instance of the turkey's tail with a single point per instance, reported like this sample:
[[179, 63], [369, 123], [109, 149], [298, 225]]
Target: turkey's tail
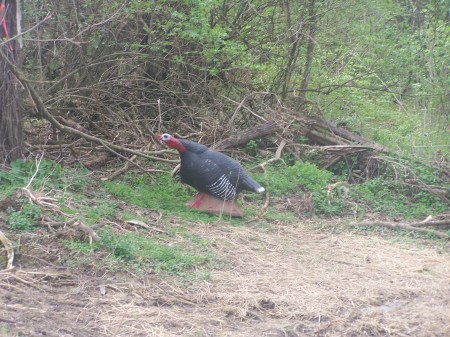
[[252, 185]]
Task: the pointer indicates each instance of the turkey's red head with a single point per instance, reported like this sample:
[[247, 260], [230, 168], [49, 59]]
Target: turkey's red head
[[171, 142]]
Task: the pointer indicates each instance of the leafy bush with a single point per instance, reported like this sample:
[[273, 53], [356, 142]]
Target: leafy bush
[[303, 177], [252, 148], [284, 179]]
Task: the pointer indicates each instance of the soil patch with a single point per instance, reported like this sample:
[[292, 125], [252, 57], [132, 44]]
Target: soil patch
[[279, 281]]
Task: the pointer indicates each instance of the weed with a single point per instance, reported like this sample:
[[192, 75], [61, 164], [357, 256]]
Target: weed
[[79, 246], [251, 148], [410, 168], [75, 179], [303, 140], [119, 246], [284, 179], [23, 220], [326, 206]]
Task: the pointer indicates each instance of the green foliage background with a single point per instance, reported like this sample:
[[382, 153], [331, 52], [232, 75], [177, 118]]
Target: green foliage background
[[377, 67]]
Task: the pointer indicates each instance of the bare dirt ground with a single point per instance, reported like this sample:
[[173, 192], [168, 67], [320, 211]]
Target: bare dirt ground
[[280, 281]]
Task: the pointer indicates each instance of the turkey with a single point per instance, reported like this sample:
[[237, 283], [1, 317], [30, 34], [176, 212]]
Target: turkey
[[218, 178]]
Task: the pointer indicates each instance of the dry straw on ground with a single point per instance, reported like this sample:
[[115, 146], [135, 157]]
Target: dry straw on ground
[[282, 281]]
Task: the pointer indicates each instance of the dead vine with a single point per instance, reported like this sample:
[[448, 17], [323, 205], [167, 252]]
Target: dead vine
[[411, 227]]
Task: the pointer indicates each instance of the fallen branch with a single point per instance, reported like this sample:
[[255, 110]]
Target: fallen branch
[[326, 133], [86, 230], [277, 154], [40, 200], [266, 177], [9, 251], [34, 278], [32, 148], [433, 223], [46, 202], [404, 226], [144, 225]]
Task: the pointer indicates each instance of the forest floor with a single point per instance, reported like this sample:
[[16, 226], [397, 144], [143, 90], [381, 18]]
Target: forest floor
[[278, 280]]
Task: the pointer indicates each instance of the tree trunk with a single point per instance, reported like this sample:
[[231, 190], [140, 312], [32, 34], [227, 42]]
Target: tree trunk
[[312, 24], [296, 38], [11, 125]]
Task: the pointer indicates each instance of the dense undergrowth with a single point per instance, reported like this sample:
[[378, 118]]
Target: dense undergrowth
[[108, 206], [387, 194]]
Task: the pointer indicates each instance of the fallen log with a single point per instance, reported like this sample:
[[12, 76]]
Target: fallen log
[[258, 131], [324, 132]]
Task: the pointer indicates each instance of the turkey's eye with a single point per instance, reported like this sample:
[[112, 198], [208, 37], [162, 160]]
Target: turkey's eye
[[165, 137]]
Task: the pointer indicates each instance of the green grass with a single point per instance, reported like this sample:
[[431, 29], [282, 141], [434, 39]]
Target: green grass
[[137, 251], [283, 178], [100, 210], [399, 191], [161, 193], [391, 194], [45, 175], [285, 217], [394, 199], [386, 195]]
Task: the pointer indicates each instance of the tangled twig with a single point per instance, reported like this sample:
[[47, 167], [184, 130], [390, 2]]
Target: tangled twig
[[47, 202]]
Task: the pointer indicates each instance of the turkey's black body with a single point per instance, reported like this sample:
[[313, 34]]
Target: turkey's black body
[[213, 172]]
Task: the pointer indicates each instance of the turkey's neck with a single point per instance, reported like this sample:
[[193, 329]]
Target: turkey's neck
[[176, 144]]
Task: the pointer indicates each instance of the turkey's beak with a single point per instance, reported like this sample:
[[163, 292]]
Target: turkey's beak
[[158, 138]]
